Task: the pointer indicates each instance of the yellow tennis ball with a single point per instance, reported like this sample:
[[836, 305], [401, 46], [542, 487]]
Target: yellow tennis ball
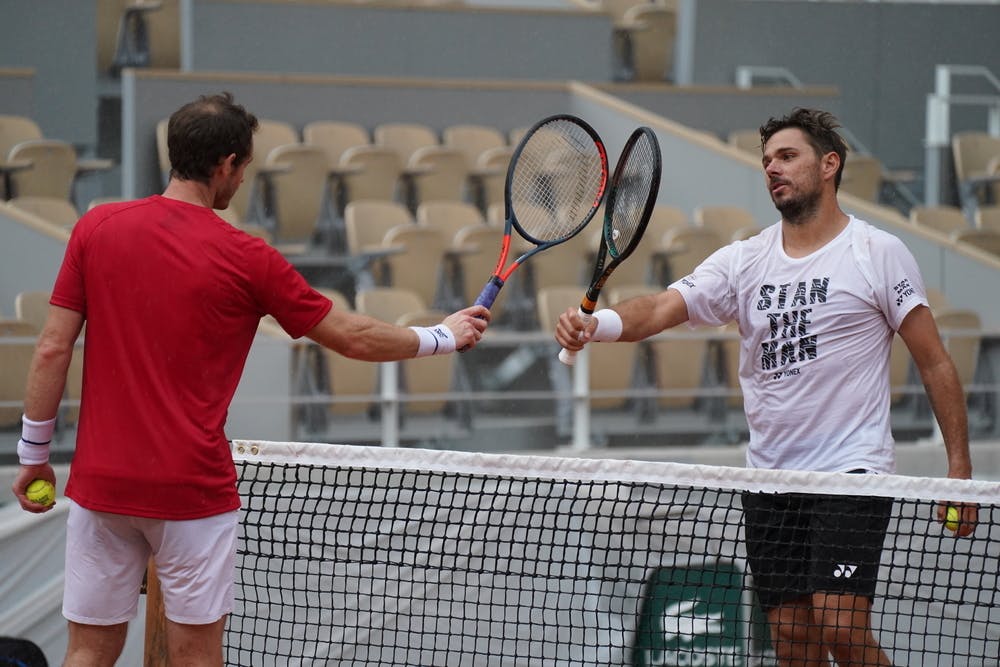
[[41, 491], [952, 519]]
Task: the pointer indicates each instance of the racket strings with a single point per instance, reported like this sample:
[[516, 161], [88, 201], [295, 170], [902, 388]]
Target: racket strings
[[630, 198], [557, 181]]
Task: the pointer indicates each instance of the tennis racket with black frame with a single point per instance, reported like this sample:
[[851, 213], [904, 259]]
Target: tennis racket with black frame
[[630, 202], [555, 184]]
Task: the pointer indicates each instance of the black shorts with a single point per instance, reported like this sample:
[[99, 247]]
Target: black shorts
[[799, 544]]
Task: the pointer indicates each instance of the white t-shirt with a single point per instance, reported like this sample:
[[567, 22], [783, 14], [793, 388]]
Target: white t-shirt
[[815, 337]]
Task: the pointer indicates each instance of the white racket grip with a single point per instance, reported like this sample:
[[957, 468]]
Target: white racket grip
[[568, 357]]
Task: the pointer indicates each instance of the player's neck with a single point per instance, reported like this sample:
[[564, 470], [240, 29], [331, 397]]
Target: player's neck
[[805, 237], [191, 192]]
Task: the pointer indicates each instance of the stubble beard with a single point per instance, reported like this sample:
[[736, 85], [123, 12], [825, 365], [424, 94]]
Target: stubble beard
[[798, 210]]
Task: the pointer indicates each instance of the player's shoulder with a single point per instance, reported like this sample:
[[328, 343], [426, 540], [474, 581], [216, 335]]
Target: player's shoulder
[[879, 240], [759, 243]]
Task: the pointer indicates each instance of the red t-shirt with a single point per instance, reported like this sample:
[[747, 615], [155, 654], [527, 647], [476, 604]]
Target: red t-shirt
[[172, 296]]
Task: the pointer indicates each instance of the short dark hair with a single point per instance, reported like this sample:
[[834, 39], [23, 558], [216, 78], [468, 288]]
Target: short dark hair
[[820, 128], [202, 133]]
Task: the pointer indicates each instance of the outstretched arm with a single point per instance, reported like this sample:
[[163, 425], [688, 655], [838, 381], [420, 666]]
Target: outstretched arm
[[641, 317], [368, 339]]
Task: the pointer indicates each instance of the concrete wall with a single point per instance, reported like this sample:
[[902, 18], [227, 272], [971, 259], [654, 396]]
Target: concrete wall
[[17, 91], [880, 55], [58, 39], [391, 40]]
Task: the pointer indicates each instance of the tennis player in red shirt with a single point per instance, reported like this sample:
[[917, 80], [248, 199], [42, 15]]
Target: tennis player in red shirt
[[172, 296]]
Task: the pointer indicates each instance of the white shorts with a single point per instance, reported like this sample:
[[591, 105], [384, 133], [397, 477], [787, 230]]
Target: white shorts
[[107, 554]]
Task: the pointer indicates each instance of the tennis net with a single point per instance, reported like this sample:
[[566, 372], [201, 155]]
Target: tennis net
[[356, 555]]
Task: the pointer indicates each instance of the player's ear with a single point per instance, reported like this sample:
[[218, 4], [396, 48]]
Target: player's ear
[[830, 164]]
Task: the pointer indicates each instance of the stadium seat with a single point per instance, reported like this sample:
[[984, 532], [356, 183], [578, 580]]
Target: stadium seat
[[368, 172], [449, 217], [726, 222], [944, 219], [14, 130], [56, 210], [515, 134], [987, 240], [489, 177], [15, 360], [976, 155], [685, 248], [418, 265], [404, 138], [474, 252], [435, 173], [296, 179], [647, 32], [51, 171], [248, 202], [472, 140], [988, 217], [368, 221], [862, 177], [334, 137]]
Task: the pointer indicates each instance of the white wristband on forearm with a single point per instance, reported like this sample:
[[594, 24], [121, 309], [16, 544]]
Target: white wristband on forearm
[[434, 340], [609, 326], [36, 438]]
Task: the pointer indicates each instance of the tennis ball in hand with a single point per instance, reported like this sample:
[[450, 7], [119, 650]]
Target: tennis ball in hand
[[952, 519], [41, 491]]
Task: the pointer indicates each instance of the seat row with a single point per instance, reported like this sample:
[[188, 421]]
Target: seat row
[[446, 250], [296, 179], [32, 165]]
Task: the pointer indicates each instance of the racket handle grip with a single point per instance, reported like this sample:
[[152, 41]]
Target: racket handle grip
[[487, 297], [568, 357], [490, 292]]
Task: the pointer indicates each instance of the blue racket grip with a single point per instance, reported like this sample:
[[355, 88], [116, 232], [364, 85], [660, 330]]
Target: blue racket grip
[[489, 293], [487, 297]]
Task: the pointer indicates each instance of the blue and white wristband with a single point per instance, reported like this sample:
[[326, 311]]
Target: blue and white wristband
[[437, 339], [36, 439]]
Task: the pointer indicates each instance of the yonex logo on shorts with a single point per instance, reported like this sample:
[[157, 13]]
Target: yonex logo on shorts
[[844, 570]]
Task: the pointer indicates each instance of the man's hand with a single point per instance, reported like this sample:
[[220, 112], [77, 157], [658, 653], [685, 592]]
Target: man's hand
[[468, 325], [570, 330], [25, 476]]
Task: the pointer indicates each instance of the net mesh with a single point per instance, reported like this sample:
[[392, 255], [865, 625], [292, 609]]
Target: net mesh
[[374, 556], [557, 180]]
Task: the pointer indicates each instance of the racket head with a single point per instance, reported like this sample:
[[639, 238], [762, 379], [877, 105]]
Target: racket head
[[632, 194], [556, 180]]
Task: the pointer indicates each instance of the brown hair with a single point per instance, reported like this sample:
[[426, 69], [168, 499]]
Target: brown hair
[[820, 128], [202, 133]]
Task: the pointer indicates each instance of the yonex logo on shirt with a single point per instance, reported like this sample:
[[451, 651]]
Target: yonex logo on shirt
[[902, 289]]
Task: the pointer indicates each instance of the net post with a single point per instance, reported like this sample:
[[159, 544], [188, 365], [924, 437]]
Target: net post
[[155, 649], [581, 401], [389, 378]]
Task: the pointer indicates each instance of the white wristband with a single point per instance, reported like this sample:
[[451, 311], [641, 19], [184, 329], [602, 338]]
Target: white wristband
[[434, 340], [36, 438], [609, 326]]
